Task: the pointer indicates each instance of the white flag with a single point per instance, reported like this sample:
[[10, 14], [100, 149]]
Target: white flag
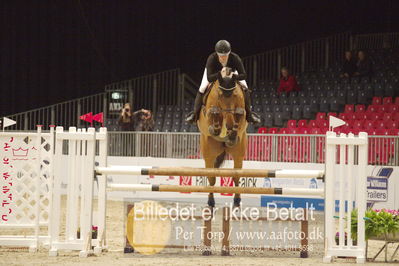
[[336, 122], [8, 122]]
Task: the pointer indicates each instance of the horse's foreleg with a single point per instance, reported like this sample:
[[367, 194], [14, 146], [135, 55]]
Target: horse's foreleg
[[215, 121], [237, 196], [209, 163]]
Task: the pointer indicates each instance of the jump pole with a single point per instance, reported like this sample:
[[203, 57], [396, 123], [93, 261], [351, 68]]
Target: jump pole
[[209, 189], [210, 172]]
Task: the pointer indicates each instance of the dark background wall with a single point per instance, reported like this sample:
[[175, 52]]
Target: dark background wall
[[53, 50]]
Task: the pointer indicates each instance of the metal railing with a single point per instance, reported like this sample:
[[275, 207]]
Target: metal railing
[[377, 40], [311, 55], [383, 150], [64, 114]]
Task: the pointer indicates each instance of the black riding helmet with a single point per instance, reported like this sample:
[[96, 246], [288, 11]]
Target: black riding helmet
[[222, 47]]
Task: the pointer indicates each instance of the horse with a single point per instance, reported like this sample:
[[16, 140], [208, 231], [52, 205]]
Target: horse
[[223, 126]]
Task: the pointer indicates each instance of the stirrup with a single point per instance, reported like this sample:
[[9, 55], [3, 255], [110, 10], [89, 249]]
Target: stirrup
[[191, 117], [253, 118]]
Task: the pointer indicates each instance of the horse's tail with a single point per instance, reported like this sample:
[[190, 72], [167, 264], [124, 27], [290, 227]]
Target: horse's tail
[[220, 159]]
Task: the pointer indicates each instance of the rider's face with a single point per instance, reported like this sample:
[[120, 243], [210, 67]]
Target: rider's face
[[223, 58]]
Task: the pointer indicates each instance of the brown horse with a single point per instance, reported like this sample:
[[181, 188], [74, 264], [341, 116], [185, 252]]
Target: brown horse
[[223, 128]]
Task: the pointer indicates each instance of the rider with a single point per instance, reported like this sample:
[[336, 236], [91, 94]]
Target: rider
[[216, 68]]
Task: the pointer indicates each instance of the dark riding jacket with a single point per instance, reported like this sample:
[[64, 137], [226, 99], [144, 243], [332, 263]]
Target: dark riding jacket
[[213, 67]]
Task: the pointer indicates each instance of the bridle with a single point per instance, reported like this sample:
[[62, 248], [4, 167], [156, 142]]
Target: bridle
[[228, 90]]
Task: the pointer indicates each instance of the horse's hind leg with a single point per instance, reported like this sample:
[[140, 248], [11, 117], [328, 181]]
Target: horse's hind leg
[[237, 196]]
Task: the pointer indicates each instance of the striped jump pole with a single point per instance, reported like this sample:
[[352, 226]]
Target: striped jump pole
[[209, 189], [223, 172]]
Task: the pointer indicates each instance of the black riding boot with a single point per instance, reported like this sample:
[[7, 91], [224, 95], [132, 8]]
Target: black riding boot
[[252, 117], [192, 117]]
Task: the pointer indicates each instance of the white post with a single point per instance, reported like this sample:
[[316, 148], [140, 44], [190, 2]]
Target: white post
[[72, 189], [38, 171], [329, 203], [350, 187], [361, 197], [56, 196], [102, 193], [87, 194]]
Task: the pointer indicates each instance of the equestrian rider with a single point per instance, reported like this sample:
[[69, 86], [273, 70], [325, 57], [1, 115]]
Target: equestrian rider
[[216, 68]]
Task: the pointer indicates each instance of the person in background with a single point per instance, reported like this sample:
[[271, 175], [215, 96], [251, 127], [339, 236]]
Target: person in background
[[287, 82], [143, 120], [126, 119], [349, 66], [364, 66]]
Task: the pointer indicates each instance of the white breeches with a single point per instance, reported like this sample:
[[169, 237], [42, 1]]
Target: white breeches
[[205, 82]]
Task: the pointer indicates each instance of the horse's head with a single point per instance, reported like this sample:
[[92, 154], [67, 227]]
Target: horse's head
[[227, 86]]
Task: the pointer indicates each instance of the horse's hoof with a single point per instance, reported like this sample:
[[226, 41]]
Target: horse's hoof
[[211, 202], [230, 143], [206, 253], [237, 202], [213, 131]]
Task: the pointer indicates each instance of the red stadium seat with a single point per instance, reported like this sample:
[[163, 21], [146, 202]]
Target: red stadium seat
[[291, 124], [354, 131], [373, 108], [273, 130], [361, 116], [262, 130], [358, 124], [349, 108], [302, 123], [393, 108], [393, 131], [387, 116], [368, 125], [391, 124], [343, 116], [342, 129], [376, 100], [383, 108], [379, 124], [313, 124], [283, 130], [304, 130], [396, 100], [351, 116], [292, 130], [334, 114], [322, 123], [321, 116], [387, 100], [373, 116], [360, 108], [396, 116]]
